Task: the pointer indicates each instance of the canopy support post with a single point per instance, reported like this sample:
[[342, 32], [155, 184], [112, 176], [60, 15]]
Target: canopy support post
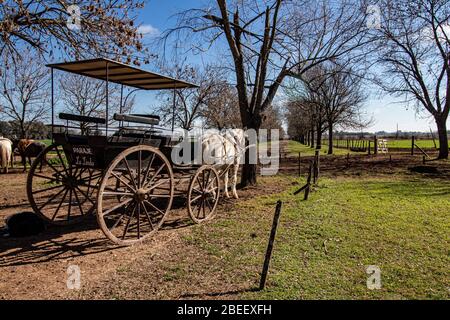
[[173, 107], [107, 97], [120, 107], [53, 105]]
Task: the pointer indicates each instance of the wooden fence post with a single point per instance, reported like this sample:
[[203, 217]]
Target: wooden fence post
[[273, 232], [316, 166], [413, 142], [375, 145], [308, 182]]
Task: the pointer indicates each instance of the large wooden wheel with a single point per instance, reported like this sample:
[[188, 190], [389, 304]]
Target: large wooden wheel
[[60, 193], [135, 195], [203, 194]]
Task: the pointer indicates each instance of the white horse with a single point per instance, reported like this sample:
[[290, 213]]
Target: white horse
[[225, 152], [5, 153]]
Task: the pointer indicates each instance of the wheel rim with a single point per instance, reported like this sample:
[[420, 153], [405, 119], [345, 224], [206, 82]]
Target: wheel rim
[[203, 194], [61, 193], [135, 195]]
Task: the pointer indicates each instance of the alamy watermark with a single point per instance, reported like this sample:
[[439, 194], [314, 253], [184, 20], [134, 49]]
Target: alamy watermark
[[374, 279], [373, 17], [230, 147], [74, 19], [73, 281]]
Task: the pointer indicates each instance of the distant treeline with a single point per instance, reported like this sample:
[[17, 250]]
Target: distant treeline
[[37, 130], [387, 135]]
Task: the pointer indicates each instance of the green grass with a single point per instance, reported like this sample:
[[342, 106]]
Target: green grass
[[402, 143], [295, 147], [324, 245], [405, 144], [46, 141]]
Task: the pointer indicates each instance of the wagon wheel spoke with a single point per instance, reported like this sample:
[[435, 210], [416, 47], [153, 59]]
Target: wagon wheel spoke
[[79, 203], [54, 169], [147, 171], [156, 174], [154, 207], [70, 205], [125, 230], [139, 219], [148, 216], [196, 198], [48, 189], [117, 193], [154, 195], [52, 179], [121, 216], [209, 204], [203, 208], [130, 173], [60, 204], [61, 159], [139, 179], [209, 191], [121, 180], [84, 194], [120, 205], [155, 186], [50, 199]]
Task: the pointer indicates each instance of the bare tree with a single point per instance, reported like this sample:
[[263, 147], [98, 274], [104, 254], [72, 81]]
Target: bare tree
[[337, 94], [301, 119], [24, 92], [78, 28], [189, 103], [272, 40], [222, 108], [87, 97], [414, 50], [273, 119]]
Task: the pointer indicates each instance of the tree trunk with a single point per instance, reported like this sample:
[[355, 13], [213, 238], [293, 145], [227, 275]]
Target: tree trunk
[[443, 139], [330, 138], [319, 137], [312, 139], [22, 131], [248, 177]]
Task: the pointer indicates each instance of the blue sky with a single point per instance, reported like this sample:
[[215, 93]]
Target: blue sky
[[156, 17]]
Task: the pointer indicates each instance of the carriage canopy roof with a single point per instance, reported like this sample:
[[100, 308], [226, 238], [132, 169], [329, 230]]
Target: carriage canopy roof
[[122, 74]]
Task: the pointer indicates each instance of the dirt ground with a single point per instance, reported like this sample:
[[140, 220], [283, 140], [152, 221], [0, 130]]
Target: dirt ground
[[36, 267]]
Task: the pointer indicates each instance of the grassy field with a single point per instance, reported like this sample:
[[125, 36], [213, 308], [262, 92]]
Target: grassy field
[[405, 144], [294, 147], [400, 144], [324, 245]]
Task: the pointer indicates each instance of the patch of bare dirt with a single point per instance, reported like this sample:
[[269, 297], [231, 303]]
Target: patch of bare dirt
[[36, 267]]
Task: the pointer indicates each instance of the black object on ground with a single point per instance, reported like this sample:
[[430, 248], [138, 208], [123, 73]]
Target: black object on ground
[[24, 224]]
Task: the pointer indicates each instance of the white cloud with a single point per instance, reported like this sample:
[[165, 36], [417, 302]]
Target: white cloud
[[147, 30]]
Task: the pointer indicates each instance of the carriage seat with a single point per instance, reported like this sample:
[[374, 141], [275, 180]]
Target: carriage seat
[[74, 117], [138, 118]]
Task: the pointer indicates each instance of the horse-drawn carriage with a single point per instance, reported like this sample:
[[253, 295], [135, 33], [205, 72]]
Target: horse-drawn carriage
[[124, 175]]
